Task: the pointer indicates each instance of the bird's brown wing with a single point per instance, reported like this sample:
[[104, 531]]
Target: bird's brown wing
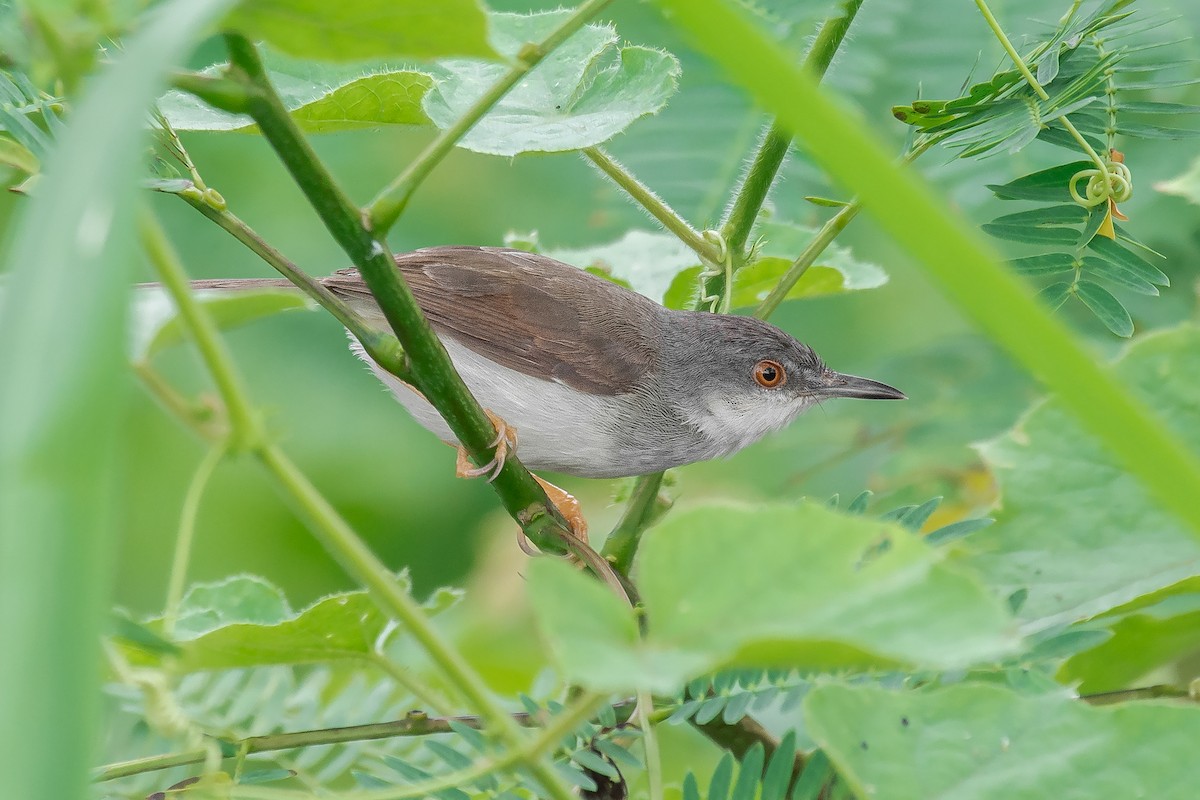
[[530, 313]]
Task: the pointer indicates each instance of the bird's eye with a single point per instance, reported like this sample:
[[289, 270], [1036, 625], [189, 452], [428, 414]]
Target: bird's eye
[[769, 374]]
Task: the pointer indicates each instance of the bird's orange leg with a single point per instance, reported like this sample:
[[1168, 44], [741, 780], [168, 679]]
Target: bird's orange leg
[[506, 442]]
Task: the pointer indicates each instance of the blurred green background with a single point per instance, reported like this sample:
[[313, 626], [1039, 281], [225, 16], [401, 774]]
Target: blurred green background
[[396, 484]]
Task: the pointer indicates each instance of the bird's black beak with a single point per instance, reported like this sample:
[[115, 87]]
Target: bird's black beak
[[839, 385]]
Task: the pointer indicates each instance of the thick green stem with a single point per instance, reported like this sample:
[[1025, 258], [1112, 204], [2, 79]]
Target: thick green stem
[[654, 205], [389, 204], [431, 369]]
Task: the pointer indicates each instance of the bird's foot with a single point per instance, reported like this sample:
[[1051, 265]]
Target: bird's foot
[[568, 507], [505, 441]]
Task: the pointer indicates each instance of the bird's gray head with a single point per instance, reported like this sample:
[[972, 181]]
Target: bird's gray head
[[746, 378]]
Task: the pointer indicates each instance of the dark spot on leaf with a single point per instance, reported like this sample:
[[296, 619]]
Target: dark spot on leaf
[[904, 721], [863, 745]]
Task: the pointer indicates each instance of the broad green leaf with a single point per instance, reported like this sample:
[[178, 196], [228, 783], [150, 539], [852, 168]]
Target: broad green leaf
[[353, 30], [1149, 633], [1107, 308], [584, 93], [645, 260], [69, 261], [594, 635], [320, 97], [1075, 530], [1046, 186], [242, 598], [871, 594], [982, 742], [157, 326], [340, 626], [848, 591]]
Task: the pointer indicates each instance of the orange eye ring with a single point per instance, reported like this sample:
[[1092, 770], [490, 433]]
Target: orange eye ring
[[769, 374]]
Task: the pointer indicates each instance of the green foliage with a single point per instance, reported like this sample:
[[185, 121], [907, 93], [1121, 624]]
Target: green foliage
[[907, 652], [360, 29], [322, 97], [1076, 533], [987, 742]]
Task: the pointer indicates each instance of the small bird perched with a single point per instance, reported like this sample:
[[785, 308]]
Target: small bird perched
[[598, 380]]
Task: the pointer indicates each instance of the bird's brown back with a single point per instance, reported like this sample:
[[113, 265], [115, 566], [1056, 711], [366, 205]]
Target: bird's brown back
[[529, 313]]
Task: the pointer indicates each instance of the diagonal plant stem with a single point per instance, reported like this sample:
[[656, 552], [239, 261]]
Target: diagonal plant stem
[[652, 204], [390, 203], [431, 369], [326, 524], [773, 148], [1023, 68], [382, 346], [825, 236]]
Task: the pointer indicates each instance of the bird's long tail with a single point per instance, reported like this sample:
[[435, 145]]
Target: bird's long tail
[[233, 284]]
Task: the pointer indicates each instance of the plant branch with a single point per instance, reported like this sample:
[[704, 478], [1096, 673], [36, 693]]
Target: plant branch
[[773, 147], [1023, 68], [390, 203], [825, 236], [415, 723], [245, 427], [431, 369], [740, 736], [187, 530], [381, 346], [531, 754], [621, 544], [654, 205]]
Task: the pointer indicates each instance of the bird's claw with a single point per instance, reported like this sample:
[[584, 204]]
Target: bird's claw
[[505, 441]]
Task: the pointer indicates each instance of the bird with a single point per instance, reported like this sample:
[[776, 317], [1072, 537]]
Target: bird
[[598, 380]]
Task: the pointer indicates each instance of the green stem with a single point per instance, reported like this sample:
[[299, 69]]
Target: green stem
[[383, 347], [244, 424], [654, 205], [390, 203], [414, 724], [622, 543], [775, 143], [431, 369], [187, 530], [1023, 68], [829, 231], [531, 754]]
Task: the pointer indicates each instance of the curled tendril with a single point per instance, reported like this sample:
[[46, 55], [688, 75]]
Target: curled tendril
[[1118, 187], [723, 266]]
